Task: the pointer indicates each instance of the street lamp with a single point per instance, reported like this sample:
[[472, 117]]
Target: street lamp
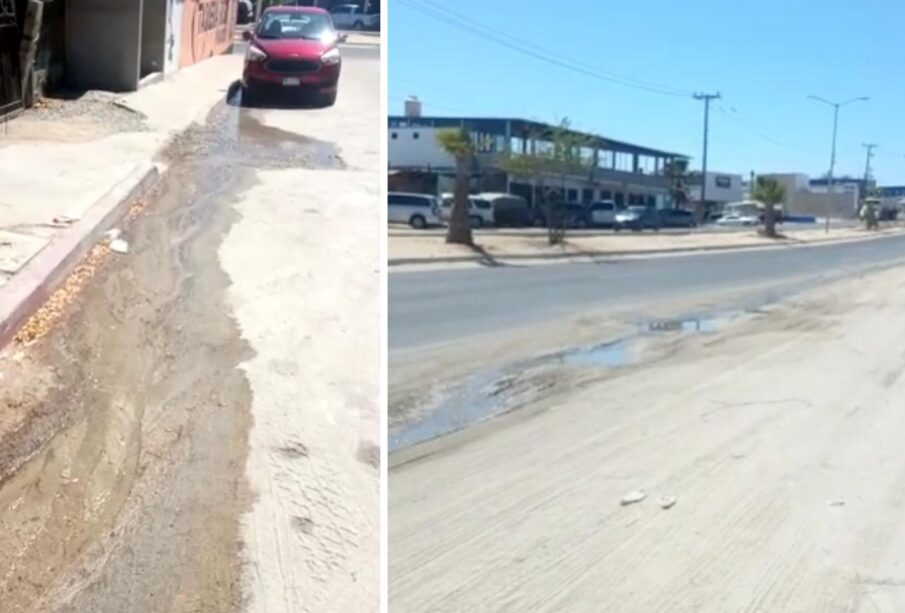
[[836, 106]]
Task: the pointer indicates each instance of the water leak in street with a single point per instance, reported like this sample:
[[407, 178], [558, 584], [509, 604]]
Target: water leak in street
[[490, 393], [153, 410]]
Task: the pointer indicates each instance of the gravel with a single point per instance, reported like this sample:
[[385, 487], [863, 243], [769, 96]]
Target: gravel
[[98, 107]]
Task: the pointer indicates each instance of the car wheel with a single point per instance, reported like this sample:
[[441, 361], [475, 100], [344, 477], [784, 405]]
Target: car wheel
[[328, 99], [476, 222], [250, 96], [359, 25], [418, 222]]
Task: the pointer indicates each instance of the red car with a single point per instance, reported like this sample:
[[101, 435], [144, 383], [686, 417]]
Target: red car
[[293, 49]]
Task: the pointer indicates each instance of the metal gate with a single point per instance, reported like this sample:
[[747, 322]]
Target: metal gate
[[10, 77]]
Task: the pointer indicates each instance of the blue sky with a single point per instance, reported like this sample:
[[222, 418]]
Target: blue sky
[[765, 57]]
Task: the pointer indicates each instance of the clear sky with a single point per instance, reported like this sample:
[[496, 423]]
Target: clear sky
[[765, 57]]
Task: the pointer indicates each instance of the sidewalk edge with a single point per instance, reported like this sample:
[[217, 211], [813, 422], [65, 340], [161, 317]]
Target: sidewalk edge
[[36, 281], [590, 255]]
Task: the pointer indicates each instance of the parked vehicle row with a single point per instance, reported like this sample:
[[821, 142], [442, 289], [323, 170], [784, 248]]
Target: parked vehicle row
[[505, 210]]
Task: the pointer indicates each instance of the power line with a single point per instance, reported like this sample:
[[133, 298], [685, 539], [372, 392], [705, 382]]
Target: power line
[[480, 30]]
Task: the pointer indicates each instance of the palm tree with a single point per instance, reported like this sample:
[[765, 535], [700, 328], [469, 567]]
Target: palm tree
[[771, 192], [457, 143]]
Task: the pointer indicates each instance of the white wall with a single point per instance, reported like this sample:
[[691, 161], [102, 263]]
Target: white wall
[[173, 43], [717, 189], [416, 147]]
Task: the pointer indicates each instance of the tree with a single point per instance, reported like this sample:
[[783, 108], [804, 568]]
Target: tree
[[559, 158], [771, 192], [457, 143]]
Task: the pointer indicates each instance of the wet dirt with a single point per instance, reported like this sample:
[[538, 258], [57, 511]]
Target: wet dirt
[[491, 393], [132, 495]]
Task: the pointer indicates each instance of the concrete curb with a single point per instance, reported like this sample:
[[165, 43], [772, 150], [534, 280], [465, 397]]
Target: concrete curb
[[591, 255], [35, 282]]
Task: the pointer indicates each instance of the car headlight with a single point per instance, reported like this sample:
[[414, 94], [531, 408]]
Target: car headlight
[[255, 54], [331, 56]]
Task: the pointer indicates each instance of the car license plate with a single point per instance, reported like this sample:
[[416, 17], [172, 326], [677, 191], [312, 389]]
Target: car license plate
[[292, 81]]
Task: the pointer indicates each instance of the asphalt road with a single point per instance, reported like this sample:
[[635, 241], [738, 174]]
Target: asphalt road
[[427, 308]]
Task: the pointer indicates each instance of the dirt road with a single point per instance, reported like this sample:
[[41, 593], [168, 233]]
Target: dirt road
[[779, 435], [195, 388]]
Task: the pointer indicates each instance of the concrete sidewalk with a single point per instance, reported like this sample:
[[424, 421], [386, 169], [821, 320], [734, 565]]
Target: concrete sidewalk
[[57, 161]]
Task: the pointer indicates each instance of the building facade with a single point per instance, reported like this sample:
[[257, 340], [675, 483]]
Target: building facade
[[722, 188], [611, 170]]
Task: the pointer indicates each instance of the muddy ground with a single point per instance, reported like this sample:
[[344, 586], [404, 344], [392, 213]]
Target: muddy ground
[[124, 430]]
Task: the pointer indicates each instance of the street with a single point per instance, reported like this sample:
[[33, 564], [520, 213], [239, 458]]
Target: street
[[742, 434], [200, 430], [435, 307]]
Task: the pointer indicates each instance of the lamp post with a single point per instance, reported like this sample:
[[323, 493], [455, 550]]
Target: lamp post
[[836, 106]]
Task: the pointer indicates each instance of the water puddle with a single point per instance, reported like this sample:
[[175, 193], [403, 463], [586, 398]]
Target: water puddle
[[491, 393]]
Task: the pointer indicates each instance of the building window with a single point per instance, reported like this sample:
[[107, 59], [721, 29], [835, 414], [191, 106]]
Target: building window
[[572, 195], [606, 194], [587, 195], [619, 199]]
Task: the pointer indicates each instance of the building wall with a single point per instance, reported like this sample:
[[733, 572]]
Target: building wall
[[207, 29], [103, 44], [839, 205], [417, 147], [173, 43], [722, 187]]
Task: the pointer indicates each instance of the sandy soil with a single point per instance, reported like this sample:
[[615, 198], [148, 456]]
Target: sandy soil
[[408, 245], [780, 437]]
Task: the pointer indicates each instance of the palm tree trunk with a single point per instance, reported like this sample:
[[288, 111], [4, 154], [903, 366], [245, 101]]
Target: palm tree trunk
[[769, 220], [459, 231]]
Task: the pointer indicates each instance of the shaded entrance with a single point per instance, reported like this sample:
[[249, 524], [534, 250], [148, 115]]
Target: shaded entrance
[[153, 37], [10, 75]]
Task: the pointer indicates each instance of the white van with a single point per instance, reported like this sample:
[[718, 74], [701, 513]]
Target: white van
[[417, 210], [480, 210]]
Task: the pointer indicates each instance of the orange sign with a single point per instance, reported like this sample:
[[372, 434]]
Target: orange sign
[[207, 29]]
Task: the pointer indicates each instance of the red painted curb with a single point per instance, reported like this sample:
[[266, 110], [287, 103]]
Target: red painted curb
[[30, 288]]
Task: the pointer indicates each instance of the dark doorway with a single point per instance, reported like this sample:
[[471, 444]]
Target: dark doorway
[[10, 76], [153, 37]]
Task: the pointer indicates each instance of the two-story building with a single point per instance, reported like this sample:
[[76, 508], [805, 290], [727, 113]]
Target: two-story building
[[610, 169]]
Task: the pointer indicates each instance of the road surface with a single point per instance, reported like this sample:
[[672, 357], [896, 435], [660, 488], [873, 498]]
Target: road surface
[[777, 436], [202, 432], [433, 307]]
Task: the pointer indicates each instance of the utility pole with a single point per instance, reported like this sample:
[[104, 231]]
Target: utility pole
[[699, 210], [829, 180], [870, 154]]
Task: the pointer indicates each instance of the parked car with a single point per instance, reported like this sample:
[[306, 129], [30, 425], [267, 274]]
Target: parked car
[[417, 210], [351, 17], [293, 49], [638, 218], [746, 213], [508, 209], [602, 214], [570, 215], [479, 210], [677, 218]]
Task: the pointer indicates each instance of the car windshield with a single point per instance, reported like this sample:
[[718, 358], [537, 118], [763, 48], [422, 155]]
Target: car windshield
[[294, 25]]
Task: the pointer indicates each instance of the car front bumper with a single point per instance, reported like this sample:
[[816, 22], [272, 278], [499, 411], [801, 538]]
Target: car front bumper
[[325, 79]]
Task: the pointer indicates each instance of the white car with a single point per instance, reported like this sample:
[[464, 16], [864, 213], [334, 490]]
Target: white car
[[736, 219], [603, 213], [417, 210], [351, 17], [479, 210]]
